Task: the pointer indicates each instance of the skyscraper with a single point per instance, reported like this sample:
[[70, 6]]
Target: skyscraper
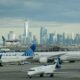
[[26, 29], [43, 35], [51, 40], [11, 35], [34, 40]]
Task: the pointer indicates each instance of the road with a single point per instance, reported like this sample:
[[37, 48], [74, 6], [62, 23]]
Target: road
[[68, 71]]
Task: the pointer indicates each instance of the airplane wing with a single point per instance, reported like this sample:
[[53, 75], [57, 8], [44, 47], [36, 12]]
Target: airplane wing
[[55, 55]]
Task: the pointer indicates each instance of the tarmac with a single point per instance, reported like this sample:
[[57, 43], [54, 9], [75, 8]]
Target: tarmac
[[68, 71]]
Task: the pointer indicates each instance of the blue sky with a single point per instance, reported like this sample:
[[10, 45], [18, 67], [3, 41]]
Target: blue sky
[[41, 10]]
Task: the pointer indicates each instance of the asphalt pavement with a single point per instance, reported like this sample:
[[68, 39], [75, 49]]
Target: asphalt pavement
[[68, 71]]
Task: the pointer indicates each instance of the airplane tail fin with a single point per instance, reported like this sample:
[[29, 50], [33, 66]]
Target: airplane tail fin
[[58, 63], [0, 56], [30, 52]]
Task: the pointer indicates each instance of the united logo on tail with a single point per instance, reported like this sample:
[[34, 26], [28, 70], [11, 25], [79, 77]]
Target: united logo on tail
[[58, 63], [30, 51]]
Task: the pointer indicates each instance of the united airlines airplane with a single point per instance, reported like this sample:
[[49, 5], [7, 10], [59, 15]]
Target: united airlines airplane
[[27, 54], [44, 57], [45, 69]]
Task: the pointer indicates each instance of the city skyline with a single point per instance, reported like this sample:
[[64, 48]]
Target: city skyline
[[52, 28], [58, 16], [70, 35]]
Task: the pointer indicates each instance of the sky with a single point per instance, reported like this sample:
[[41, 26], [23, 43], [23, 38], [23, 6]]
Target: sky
[[56, 15]]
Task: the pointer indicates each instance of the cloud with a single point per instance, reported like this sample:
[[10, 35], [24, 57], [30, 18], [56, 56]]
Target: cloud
[[72, 13], [35, 5], [41, 10], [11, 22], [19, 22]]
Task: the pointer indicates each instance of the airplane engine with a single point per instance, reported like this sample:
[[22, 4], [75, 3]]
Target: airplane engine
[[43, 60]]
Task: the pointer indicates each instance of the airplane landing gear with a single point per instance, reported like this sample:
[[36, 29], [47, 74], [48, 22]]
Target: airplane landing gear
[[1, 65], [41, 75], [51, 75], [29, 76]]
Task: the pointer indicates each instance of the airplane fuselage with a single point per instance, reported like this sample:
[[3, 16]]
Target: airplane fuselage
[[68, 55], [5, 59], [48, 69]]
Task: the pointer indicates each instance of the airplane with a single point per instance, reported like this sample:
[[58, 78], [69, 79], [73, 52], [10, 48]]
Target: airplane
[[45, 69], [27, 54], [45, 57]]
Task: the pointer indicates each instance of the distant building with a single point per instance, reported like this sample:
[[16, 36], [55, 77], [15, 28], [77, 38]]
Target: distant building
[[43, 35], [29, 38], [26, 29], [77, 39], [35, 40], [11, 35], [26, 37], [50, 40]]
